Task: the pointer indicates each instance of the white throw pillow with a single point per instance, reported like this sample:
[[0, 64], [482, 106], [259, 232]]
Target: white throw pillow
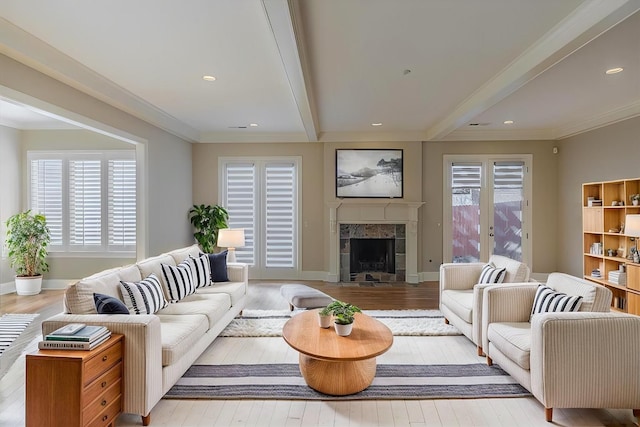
[[143, 297], [491, 274], [200, 270], [547, 300], [178, 280]]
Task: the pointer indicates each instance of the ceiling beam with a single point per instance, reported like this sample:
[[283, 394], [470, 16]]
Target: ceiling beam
[[587, 22], [286, 27]]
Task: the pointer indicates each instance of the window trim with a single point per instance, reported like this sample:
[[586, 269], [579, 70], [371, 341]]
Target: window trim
[[102, 251]]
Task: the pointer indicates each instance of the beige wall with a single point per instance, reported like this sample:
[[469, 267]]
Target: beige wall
[[544, 208], [167, 157], [10, 195], [609, 153]]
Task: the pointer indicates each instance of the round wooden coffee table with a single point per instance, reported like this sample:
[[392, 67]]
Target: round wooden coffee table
[[337, 365]]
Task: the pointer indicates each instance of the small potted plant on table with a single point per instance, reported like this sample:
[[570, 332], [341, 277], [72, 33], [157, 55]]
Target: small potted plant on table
[[343, 316], [27, 240], [324, 317]]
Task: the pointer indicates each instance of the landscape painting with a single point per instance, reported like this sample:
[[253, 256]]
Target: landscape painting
[[369, 173]]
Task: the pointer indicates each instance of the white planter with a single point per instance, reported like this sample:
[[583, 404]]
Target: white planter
[[343, 330], [635, 202], [31, 285], [325, 321]]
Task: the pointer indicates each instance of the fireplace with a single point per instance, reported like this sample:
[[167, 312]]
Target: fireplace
[[372, 252]]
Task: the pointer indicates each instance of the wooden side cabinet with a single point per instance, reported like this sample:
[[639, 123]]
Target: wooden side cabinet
[[75, 388]]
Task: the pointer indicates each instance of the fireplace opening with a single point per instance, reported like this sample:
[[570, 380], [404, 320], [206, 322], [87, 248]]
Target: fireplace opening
[[372, 256]]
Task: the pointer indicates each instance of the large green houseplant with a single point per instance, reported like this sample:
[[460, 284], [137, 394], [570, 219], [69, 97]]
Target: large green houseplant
[[27, 239], [207, 220]]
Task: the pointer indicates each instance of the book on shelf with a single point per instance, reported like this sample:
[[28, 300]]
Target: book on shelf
[[81, 334], [73, 345]]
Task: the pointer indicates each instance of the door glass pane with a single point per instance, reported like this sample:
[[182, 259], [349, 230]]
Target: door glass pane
[[508, 196], [465, 208]]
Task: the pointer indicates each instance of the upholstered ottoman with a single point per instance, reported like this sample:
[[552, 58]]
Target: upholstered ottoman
[[302, 296]]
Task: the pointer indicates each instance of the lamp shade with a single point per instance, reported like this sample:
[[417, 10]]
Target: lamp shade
[[632, 225], [231, 237]]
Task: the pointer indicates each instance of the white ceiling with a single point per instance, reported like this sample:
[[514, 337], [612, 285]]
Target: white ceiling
[[325, 70]]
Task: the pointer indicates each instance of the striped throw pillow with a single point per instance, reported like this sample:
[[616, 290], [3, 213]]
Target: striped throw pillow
[[143, 297], [178, 280], [200, 270], [547, 300], [491, 274]]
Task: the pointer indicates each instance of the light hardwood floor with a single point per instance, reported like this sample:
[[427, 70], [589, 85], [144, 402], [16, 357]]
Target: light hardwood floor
[[265, 295]]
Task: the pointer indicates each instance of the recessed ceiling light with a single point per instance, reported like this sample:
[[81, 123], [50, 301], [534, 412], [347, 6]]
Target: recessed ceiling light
[[253, 125], [208, 78], [376, 124], [508, 122], [614, 70]]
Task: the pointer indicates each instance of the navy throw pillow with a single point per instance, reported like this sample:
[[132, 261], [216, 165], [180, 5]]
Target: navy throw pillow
[[218, 264], [106, 304]]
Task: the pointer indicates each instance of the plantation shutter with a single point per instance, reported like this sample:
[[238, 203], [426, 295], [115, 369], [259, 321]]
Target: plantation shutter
[[241, 205], [122, 204], [85, 203], [466, 175], [46, 195], [280, 203], [508, 175]]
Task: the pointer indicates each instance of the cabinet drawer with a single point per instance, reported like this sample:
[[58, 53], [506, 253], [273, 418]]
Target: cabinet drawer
[[95, 366], [107, 416], [102, 383], [633, 276], [99, 405]]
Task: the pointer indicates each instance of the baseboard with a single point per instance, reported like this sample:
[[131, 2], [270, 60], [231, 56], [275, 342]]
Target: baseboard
[[429, 276], [10, 287]]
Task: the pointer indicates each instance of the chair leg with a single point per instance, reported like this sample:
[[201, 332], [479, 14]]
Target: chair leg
[[480, 352], [446, 321], [636, 413], [489, 361], [290, 307], [548, 414], [146, 419]]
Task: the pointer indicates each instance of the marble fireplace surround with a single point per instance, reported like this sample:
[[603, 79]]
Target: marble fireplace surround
[[374, 212]]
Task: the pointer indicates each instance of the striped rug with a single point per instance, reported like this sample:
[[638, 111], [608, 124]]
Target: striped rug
[[284, 381], [11, 326]]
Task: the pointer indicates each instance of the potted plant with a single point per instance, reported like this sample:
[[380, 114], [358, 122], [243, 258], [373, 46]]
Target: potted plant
[[207, 220], [324, 317], [343, 316], [635, 199], [27, 240]]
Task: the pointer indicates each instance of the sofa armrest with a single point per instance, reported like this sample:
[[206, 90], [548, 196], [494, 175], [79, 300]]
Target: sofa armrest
[[142, 354], [238, 272], [586, 360], [506, 303], [459, 276]]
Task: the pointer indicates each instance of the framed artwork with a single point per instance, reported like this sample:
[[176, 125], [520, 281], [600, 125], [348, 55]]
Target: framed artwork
[[369, 173]]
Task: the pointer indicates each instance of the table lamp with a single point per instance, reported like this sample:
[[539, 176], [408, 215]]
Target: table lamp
[[231, 238], [632, 229]]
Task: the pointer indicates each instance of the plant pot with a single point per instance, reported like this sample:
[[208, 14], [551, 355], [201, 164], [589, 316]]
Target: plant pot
[[28, 285], [635, 202], [343, 330], [324, 321]]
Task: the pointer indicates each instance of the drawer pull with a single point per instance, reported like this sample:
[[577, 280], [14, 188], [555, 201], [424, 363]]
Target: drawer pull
[[105, 418], [103, 403], [104, 358], [104, 384]]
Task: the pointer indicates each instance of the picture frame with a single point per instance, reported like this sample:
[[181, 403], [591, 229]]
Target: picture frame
[[369, 173]]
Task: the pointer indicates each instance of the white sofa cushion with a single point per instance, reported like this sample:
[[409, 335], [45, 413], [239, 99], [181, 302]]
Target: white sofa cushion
[[236, 290], [179, 334], [181, 254], [513, 339], [572, 285], [516, 271], [459, 302], [214, 306]]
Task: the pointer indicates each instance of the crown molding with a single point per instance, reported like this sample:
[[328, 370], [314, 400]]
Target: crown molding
[[372, 136], [245, 135], [605, 119], [35, 53], [500, 135]]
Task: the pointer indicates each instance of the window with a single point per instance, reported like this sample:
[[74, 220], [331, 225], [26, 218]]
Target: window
[[88, 198], [261, 196]]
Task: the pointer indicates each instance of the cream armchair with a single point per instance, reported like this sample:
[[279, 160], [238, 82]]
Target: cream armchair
[[461, 295], [584, 359]]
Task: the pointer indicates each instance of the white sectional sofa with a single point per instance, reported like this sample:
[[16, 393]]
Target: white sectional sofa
[[159, 347]]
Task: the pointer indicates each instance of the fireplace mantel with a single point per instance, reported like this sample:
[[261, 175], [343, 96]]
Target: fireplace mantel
[[384, 211]]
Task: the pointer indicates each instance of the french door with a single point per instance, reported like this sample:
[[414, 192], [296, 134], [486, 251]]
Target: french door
[[487, 208]]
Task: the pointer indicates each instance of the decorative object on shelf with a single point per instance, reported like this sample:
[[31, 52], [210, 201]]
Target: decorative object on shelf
[[343, 316], [635, 199], [633, 230], [231, 238], [374, 173], [596, 273], [610, 252], [207, 220], [27, 239]]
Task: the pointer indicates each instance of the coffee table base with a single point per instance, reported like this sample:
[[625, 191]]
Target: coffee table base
[[338, 378]]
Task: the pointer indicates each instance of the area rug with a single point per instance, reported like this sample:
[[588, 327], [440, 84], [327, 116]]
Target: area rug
[[11, 326], [284, 381], [269, 323]]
